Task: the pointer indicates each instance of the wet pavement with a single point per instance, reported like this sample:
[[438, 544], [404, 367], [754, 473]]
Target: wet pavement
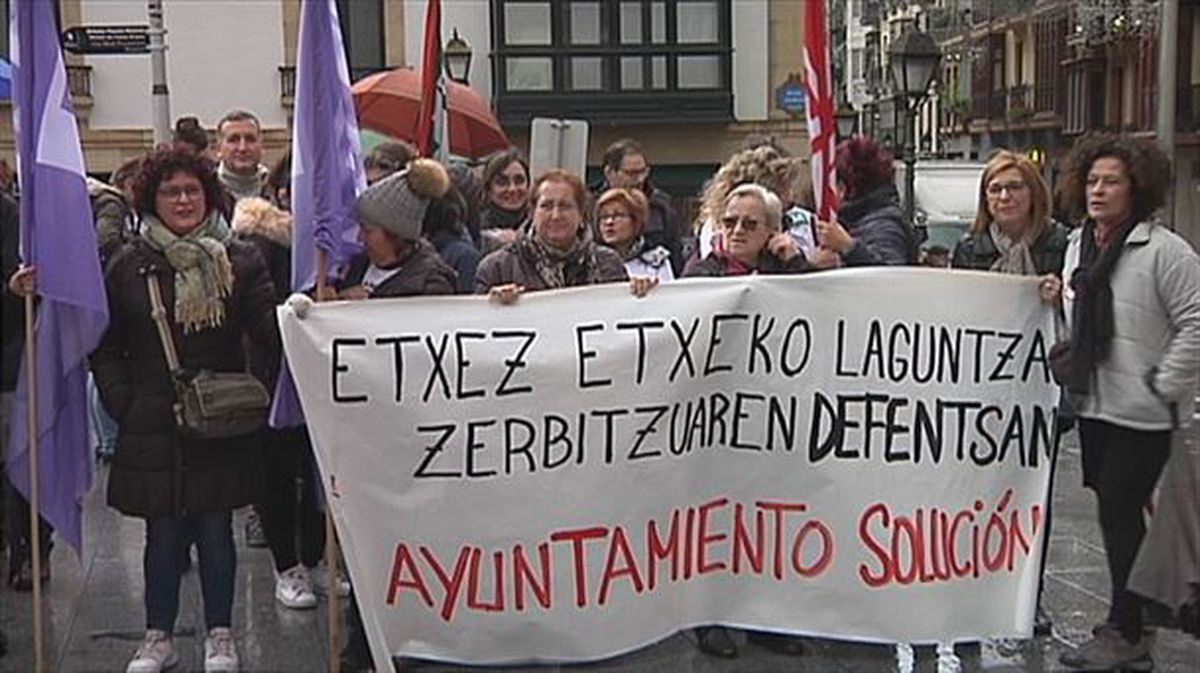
[[94, 617]]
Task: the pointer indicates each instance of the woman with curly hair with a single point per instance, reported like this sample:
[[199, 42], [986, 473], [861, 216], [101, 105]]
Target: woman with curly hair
[[764, 165], [870, 229], [1132, 301], [216, 291]]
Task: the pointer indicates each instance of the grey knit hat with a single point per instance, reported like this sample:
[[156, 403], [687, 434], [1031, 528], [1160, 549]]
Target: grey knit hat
[[398, 202]]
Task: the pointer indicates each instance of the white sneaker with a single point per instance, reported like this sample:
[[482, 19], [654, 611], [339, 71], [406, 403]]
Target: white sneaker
[[293, 589], [320, 580], [156, 653], [220, 652]]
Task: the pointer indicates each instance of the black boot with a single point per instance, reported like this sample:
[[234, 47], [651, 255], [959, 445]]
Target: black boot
[[779, 643], [716, 641]]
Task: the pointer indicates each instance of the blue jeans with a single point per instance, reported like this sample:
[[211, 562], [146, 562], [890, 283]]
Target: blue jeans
[[104, 426], [167, 540]]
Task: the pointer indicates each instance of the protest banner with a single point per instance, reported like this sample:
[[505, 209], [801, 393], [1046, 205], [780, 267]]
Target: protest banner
[[859, 454]]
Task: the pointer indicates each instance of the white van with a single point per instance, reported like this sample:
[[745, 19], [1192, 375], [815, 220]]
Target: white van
[[946, 195]]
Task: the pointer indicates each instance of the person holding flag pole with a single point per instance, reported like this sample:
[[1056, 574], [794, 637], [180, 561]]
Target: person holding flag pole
[[50, 462], [327, 176]]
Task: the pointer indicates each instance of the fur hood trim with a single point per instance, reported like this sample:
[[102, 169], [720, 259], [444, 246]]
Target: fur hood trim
[[257, 216]]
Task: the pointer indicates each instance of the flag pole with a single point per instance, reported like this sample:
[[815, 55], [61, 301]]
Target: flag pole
[[332, 583], [35, 530]]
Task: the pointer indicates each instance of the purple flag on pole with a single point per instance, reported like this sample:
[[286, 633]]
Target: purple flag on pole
[[58, 239], [327, 172]]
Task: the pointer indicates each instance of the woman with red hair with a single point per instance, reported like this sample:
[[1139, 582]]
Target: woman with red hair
[[870, 228]]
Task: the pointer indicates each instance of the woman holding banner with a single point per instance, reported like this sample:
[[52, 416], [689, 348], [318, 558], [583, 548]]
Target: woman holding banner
[[1133, 305], [752, 236], [1014, 233], [217, 291], [753, 242], [396, 262], [556, 251]]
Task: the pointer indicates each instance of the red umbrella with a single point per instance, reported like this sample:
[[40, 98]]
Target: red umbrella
[[390, 102]]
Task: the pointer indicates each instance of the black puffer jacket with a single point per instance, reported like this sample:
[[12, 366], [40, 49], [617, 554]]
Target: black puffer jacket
[[978, 251], [877, 225], [156, 472]]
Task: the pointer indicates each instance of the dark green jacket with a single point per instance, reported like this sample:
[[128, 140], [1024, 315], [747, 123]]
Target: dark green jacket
[[979, 252]]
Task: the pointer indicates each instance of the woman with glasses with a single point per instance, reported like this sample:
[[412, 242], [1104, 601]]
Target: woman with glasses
[[506, 199], [216, 291], [751, 229], [621, 218], [752, 238], [556, 250], [1013, 231]]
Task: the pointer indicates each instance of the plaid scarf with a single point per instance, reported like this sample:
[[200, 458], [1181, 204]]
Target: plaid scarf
[[203, 273], [558, 268]]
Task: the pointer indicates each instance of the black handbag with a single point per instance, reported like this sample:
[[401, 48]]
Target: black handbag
[[209, 405], [1060, 352]]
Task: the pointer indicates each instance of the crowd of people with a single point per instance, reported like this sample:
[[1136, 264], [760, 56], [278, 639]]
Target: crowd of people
[[213, 232]]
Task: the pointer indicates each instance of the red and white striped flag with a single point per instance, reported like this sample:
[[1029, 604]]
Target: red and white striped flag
[[818, 85], [431, 86]]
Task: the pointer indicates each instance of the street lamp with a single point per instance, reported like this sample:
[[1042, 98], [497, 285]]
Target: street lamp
[[914, 63], [456, 56], [847, 119]]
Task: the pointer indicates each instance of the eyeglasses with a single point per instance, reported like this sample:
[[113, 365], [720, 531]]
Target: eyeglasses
[[748, 224], [173, 193], [502, 181], [996, 189], [613, 217]]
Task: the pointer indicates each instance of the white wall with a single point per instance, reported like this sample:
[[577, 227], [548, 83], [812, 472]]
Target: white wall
[[750, 64], [222, 54], [472, 18]]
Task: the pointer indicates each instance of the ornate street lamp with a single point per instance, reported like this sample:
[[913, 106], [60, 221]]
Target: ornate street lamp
[[914, 63], [456, 56], [847, 120]]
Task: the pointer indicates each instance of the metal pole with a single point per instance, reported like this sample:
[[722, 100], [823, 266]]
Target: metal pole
[[35, 503], [1164, 126], [333, 581], [160, 99], [910, 162]]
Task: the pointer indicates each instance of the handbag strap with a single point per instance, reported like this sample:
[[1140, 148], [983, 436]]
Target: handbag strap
[[159, 313]]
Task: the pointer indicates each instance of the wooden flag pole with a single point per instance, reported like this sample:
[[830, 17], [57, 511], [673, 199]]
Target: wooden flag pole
[[332, 582], [35, 530]]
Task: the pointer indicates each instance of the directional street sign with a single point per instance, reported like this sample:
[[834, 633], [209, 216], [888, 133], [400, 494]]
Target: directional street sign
[[107, 40]]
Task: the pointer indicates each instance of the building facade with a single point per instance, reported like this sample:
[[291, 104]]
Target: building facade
[[1034, 75], [690, 79]]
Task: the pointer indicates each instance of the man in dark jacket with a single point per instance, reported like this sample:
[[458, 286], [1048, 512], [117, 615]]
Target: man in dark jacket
[[625, 166]]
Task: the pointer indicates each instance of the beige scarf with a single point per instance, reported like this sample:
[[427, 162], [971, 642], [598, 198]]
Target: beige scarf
[[1015, 257], [203, 274]]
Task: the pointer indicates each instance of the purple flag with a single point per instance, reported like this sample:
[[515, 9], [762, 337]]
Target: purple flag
[[327, 173], [58, 239]]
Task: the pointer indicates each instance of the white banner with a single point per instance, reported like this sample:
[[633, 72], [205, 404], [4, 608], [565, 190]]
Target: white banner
[[859, 454]]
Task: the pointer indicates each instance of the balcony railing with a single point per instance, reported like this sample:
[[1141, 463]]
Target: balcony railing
[[1020, 102], [79, 81]]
